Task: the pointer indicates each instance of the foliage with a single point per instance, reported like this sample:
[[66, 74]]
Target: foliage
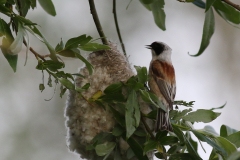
[[180, 141], [125, 108]]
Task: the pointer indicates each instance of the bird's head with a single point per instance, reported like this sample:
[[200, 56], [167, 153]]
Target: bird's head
[[160, 51]]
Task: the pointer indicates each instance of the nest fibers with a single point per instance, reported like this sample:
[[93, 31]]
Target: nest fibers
[[84, 121]]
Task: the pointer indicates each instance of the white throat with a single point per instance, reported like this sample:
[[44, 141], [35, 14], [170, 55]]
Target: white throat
[[164, 56]]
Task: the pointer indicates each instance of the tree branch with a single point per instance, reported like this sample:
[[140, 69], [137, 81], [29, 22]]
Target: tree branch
[[236, 6], [97, 22], [117, 28]]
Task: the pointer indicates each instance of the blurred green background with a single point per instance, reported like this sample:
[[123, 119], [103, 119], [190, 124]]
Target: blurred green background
[[33, 129]]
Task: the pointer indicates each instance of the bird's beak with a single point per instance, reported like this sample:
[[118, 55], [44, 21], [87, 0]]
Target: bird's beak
[[148, 47]]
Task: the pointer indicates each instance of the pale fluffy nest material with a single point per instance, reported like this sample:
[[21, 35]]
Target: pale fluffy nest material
[[84, 121]]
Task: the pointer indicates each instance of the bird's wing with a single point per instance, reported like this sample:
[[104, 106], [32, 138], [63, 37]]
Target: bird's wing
[[164, 76]]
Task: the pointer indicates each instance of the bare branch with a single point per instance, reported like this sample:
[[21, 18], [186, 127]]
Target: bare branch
[[97, 22]]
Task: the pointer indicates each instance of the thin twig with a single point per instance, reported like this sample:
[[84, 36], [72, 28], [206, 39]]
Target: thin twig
[[117, 28], [87, 100], [236, 6], [34, 52], [146, 126], [97, 22]]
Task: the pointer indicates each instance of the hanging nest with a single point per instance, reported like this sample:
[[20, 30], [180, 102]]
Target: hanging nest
[[85, 121]]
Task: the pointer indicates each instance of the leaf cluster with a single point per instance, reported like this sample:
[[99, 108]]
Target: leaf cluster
[[127, 113]]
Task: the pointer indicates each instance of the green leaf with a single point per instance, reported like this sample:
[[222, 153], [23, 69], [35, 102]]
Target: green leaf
[[130, 153], [161, 134], [227, 12], [209, 4], [147, 6], [147, 1], [175, 149], [48, 6], [194, 143], [199, 3], [25, 6], [234, 156], [234, 138], [93, 47], [180, 114], [184, 103], [147, 98], [67, 53], [41, 87], [133, 84], [103, 149], [79, 75], [3, 1], [5, 10], [137, 149], [152, 114], [226, 131], [184, 140], [33, 3], [201, 115], [208, 30], [141, 74], [117, 131], [102, 137], [203, 138], [132, 115], [140, 132], [76, 41], [25, 20], [16, 45], [68, 84], [219, 107], [117, 116], [113, 88], [158, 13], [226, 145], [209, 131], [60, 46], [117, 154], [51, 65], [88, 65], [6, 42], [149, 146], [115, 97], [12, 59], [213, 155], [168, 140], [63, 90], [182, 156]]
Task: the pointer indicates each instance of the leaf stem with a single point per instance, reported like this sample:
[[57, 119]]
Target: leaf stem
[[117, 28], [97, 22], [236, 6]]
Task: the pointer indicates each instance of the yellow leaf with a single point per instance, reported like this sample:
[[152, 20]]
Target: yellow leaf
[[159, 148], [96, 95]]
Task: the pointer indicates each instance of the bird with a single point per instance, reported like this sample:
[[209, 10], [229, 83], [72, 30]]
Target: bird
[[162, 82]]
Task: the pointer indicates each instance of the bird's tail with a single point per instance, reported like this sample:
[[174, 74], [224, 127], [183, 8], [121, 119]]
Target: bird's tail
[[163, 121]]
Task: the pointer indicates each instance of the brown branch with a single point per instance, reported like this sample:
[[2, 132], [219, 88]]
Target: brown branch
[[236, 6], [97, 22], [34, 52], [117, 28]]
